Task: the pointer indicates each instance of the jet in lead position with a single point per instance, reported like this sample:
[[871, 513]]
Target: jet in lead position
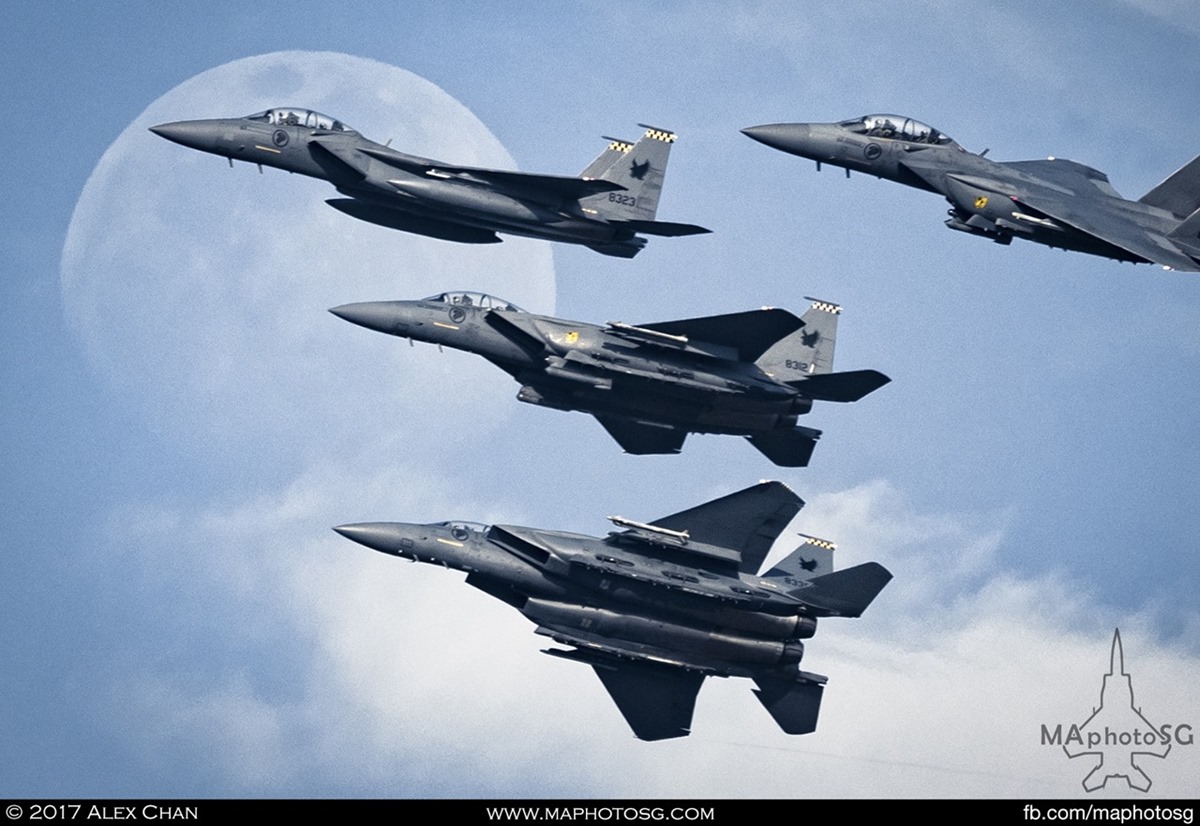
[[657, 607], [1055, 202], [749, 374], [604, 208]]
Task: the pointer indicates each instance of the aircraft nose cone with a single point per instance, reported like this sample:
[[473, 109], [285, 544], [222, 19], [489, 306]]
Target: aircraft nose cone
[[378, 536], [788, 137], [382, 316], [195, 134]]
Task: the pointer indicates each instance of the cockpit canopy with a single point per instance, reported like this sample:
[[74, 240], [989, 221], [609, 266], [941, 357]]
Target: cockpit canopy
[[300, 117], [897, 127], [470, 299], [462, 530]]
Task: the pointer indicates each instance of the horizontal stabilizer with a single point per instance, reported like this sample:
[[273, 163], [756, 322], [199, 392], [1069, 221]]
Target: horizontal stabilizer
[[395, 219], [665, 229], [787, 448], [640, 438], [840, 387], [844, 593], [794, 705]]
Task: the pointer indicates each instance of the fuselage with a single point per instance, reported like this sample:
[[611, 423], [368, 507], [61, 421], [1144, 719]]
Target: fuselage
[[383, 182], [599, 370], [622, 592], [985, 195]]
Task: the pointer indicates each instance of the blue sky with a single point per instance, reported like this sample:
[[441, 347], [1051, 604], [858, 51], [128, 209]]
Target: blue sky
[[184, 421]]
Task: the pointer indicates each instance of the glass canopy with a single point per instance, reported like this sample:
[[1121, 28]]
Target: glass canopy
[[300, 117], [470, 299], [897, 127]]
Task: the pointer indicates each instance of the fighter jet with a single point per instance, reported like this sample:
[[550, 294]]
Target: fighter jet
[[1055, 202], [657, 607], [749, 374], [615, 198]]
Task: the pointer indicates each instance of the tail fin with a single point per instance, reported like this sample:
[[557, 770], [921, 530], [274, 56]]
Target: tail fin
[[812, 559], [641, 171], [1187, 234], [844, 593], [807, 351], [1180, 192], [612, 153]]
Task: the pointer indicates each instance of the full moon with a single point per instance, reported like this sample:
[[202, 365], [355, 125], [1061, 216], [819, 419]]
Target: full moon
[[199, 292]]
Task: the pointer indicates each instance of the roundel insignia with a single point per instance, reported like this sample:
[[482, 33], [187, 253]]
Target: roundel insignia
[[572, 337], [981, 202], [457, 315], [280, 138], [872, 151]]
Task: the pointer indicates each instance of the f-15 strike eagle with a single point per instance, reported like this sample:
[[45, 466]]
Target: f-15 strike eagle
[[657, 607], [604, 208], [1055, 202], [749, 374]]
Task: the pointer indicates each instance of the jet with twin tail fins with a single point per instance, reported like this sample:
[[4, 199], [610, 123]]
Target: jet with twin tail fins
[[604, 208], [657, 607], [748, 374], [1055, 202]]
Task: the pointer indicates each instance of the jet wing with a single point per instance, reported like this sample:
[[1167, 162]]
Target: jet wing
[[1068, 193], [409, 222], [750, 333], [560, 186], [747, 522], [795, 705], [656, 700], [1111, 228], [640, 438]]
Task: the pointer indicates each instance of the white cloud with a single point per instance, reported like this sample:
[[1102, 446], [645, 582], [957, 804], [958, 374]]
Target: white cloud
[[939, 690]]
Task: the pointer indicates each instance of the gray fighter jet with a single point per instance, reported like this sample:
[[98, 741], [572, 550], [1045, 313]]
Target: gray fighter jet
[[749, 374], [615, 198], [1055, 202], [655, 608]]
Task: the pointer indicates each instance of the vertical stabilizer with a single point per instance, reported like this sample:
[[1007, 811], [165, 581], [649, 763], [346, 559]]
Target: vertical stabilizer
[[807, 351], [612, 153], [1179, 194], [641, 171], [813, 558]]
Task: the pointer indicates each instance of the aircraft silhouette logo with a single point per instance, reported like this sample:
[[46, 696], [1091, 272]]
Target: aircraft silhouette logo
[[1117, 736]]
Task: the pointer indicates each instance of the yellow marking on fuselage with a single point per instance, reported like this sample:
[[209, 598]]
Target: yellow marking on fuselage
[[444, 324], [450, 542], [981, 202], [268, 149]]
